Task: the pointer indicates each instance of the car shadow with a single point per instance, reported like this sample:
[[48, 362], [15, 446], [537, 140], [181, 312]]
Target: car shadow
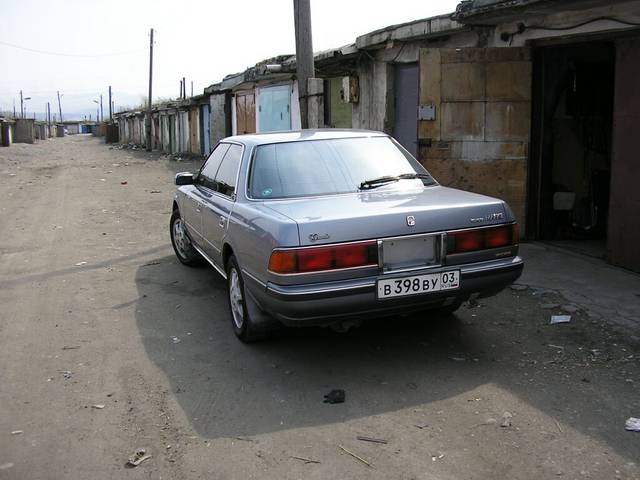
[[230, 389]]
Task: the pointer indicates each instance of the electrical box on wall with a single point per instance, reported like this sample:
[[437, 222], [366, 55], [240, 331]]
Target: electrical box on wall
[[427, 112], [350, 91]]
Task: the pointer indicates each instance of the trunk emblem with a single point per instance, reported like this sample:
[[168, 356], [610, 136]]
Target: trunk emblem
[[314, 237], [488, 218], [411, 220]]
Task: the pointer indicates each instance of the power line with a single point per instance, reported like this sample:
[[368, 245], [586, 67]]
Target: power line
[[60, 54]]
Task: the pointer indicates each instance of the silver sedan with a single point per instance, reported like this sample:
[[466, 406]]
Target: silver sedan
[[330, 227]]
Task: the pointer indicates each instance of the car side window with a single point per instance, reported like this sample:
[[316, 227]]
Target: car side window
[[228, 172], [207, 175]]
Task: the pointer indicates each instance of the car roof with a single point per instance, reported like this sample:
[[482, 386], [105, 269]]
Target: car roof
[[301, 135]]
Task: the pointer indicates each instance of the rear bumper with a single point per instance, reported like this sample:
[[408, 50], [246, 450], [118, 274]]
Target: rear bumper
[[325, 303]]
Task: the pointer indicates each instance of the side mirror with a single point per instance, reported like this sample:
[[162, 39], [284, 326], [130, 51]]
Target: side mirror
[[184, 178]]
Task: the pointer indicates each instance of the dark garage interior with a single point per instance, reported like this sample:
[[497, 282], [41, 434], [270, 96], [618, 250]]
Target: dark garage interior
[[572, 144]]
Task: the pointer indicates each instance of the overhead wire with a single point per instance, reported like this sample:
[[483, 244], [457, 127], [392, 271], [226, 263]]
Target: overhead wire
[[75, 55]]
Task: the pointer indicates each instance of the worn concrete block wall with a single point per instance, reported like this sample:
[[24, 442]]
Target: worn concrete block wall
[[315, 107], [624, 203], [24, 131], [376, 86], [218, 117], [479, 138]]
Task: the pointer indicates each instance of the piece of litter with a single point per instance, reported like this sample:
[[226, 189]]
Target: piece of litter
[[98, 406], [632, 424], [155, 262], [305, 460], [175, 339], [335, 396], [506, 419], [555, 346], [79, 264], [559, 319], [458, 359], [437, 457], [558, 425], [518, 288], [124, 182], [155, 191], [71, 347], [138, 457], [421, 426], [66, 374], [371, 439], [357, 457], [17, 432]]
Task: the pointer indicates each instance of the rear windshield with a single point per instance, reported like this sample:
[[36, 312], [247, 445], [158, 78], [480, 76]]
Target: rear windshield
[[325, 167]]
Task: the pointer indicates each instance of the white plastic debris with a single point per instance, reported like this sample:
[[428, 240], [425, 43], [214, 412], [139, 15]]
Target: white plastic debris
[[506, 420], [632, 424], [175, 339], [139, 456], [98, 406], [79, 264], [560, 319]]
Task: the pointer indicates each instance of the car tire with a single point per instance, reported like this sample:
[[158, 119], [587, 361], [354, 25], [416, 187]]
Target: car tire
[[249, 323], [182, 243]]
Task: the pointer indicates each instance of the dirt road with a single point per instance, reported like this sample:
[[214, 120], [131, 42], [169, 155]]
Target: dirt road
[[97, 312]]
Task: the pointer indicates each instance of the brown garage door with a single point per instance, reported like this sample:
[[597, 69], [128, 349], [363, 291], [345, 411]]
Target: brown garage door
[[245, 113]]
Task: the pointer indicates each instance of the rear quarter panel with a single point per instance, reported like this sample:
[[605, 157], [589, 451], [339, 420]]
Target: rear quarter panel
[[254, 231]]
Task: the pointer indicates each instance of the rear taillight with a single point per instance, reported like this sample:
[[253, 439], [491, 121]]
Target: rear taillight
[[318, 259], [482, 238]]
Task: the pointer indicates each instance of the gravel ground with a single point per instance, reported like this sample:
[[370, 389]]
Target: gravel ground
[[96, 311]]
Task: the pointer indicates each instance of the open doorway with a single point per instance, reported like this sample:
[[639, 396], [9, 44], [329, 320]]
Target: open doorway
[[571, 145]]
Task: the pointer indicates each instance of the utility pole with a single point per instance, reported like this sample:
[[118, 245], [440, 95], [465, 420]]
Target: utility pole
[[59, 106], [180, 96], [150, 91], [110, 106], [192, 88], [305, 68], [184, 88], [49, 117], [21, 105], [14, 108]]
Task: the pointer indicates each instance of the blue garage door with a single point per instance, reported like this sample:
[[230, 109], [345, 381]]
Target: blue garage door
[[405, 129], [274, 109]]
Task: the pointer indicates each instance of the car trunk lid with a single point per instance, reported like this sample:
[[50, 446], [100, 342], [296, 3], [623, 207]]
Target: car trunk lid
[[389, 213]]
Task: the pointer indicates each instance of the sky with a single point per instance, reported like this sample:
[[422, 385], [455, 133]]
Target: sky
[[92, 44]]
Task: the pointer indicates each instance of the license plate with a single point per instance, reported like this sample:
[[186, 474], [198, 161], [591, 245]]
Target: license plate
[[415, 285]]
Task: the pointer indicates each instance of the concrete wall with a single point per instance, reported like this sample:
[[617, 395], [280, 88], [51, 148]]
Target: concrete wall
[[218, 119], [624, 204], [24, 131]]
